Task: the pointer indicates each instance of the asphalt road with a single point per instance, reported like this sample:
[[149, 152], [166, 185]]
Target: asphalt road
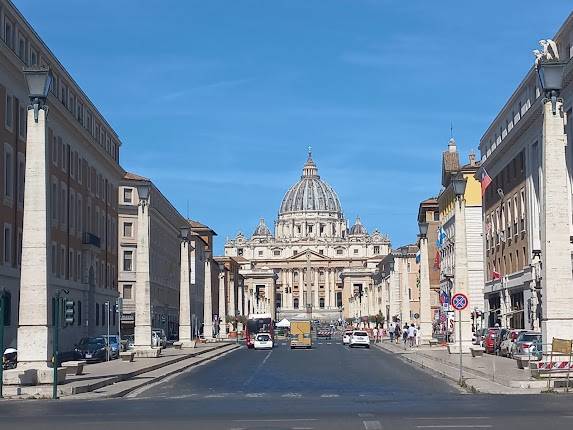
[[327, 387]]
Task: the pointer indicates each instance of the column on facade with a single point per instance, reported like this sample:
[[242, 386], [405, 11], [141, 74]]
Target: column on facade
[[207, 302], [327, 297], [291, 294], [232, 295], [316, 288], [405, 286], [222, 304], [333, 279], [240, 297]]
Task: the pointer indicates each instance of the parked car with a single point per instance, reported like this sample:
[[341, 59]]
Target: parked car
[[490, 339], [528, 343], [359, 338], [479, 336], [114, 345], [127, 342], [263, 341], [346, 337], [159, 338], [507, 345], [91, 349]]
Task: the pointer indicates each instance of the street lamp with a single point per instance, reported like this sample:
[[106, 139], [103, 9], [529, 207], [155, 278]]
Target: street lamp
[[459, 184], [38, 80], [184, 233], [551, 78], [143, 193], [423, 226]]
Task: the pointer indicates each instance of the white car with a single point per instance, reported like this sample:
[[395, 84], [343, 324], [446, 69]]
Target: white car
[[346, 337], [263, 341], [359, 338]]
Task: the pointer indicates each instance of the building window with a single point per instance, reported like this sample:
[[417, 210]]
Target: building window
[[277, 252], [97, 314], [321, 251], [103, 312], [127, 195], [376, 249], [339, 252], [7, 243], [127, 292], [260, 253], [22, 122], [321, 303], [356, 251], [127, 229], [7, 308], [127, 261], [240, 251], [9, 116], [8, 171], [8, 33], [79, 312], [295, 302], [310, 228]]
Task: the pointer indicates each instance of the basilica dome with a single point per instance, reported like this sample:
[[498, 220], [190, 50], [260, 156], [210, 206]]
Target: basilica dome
[[310, 193]]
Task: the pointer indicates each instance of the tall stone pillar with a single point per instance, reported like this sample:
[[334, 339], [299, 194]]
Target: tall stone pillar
[[232, 297], [333, 279], [316, 288], [208, 301], [405, 293], [142, 339], [556, 282], [291, 285], [222, 305], [34, 334], [461, 280], [240, 299], [185, 326], [425, 305], [327, 295]]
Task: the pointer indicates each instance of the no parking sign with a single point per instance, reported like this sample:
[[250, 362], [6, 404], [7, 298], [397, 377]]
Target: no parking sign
[[460, 301]]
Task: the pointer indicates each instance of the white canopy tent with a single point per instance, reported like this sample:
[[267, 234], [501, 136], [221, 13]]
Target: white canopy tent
[[284, 323]]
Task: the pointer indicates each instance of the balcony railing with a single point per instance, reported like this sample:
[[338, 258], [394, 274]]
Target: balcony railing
[[91, 239]]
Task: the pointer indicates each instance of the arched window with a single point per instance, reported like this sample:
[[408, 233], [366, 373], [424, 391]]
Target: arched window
[[7, 308], [321, 302], [79, 318], [295, 302]]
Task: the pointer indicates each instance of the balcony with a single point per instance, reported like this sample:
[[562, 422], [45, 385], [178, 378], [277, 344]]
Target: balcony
[[91, 239]]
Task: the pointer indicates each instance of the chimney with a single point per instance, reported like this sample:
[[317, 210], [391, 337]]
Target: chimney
[[472, 158]]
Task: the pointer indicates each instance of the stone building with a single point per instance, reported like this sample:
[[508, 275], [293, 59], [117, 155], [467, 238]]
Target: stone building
[[231, 293], [512, 154], [164, 254], [84, 172], [397, 290], [472, 216], [306, 267]]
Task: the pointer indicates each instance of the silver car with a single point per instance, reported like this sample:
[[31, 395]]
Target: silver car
[[525, 343]]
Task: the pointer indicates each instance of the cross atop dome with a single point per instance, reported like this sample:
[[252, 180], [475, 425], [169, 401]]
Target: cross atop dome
[[309, 168]]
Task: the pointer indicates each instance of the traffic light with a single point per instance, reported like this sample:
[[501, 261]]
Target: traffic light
[[70, 311]]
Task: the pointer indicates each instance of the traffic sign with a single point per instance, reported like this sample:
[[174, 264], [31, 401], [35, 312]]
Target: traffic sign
[[460, 301]]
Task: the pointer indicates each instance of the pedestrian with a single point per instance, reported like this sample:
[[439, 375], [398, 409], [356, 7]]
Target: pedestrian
[[397, 333], [392, 328], [380, 334], [411, 335], [418, 336], [405, 334]]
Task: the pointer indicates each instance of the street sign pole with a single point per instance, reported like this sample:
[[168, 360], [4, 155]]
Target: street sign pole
[[460, 342], [1, 343]]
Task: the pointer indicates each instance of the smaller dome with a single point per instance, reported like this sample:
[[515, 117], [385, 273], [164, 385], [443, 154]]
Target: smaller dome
[[358, 229], [262, 229]]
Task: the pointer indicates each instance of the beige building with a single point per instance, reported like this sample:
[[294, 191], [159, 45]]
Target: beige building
[[513, 154], [429, 212], [84, 172], [164, 254], [307, 266], [397, 286]]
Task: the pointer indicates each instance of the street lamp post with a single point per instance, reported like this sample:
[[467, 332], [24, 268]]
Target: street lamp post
[[142, 340], [35, 344], [464, 328], [557, 294], [425, 306], [185, 322]]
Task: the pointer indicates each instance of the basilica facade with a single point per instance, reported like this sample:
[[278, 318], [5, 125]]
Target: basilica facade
[[314, 265]]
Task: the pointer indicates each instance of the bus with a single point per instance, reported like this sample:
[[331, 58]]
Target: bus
[[258, 323]]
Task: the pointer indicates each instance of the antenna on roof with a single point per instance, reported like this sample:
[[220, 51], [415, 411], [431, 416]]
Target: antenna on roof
[[451, 129], [309, 150]]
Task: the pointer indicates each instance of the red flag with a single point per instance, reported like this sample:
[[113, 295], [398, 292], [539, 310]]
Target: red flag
[[495, 274], [484, 179]]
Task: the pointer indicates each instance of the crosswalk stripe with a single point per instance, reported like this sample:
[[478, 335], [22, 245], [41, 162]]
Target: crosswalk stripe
[[372, 425]]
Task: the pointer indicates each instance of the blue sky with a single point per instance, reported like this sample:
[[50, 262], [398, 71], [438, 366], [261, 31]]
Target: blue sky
[[217, 101]]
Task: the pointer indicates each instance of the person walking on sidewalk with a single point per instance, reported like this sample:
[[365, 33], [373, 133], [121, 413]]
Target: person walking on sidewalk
[[418, 336], [405, 335], [411, 335], [397, 332]]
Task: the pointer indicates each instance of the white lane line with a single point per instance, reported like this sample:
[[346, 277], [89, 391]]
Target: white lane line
[[452, 418], [275, 420], [254, 394], [365, 415], [339, 343], [302, 428], [372, 425], [248, 381], [328, 343], [458, 426], [329, 395], [292, 395]]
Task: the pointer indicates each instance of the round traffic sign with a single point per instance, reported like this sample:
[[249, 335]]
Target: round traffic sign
[[460, 301]]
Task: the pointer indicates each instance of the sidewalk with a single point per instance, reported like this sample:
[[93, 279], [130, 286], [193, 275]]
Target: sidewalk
[[117, 378], [487, 374]]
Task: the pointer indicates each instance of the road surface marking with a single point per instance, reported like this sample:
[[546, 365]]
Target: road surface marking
[[456, 426], [372, 425], [452, 418], [254, 394], [329, 343], [329, 395], [302, 428], [339, 343], [364, 415], [275, 420], [248, 381], [215, 395], [292, 395]]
